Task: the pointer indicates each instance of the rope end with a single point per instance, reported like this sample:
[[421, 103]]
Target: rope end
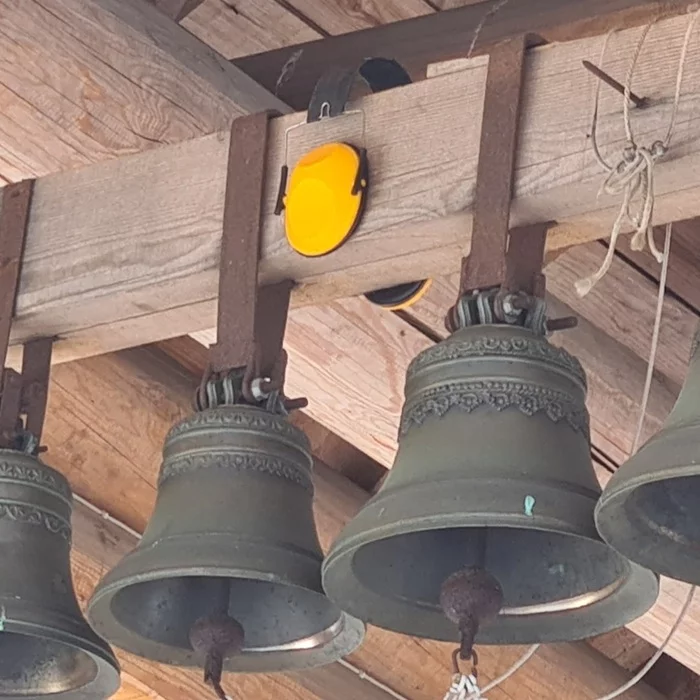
[[583, 286], [638, 240]]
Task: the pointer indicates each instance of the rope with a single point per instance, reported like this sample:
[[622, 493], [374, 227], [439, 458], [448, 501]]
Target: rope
[[654, 339], [479, 27], [505, 676], [657, 655], [633, 176]]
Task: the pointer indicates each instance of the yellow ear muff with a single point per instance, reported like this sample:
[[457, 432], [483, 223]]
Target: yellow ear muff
[[325, 198]]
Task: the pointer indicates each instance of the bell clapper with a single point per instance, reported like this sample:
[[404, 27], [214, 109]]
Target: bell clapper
[[216, 637], [469, 598]]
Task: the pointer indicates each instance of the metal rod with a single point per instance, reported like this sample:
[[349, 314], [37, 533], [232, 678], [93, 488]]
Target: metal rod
[[14, 217], [36, 369], [240, 244], [639, 102], [485, 267]]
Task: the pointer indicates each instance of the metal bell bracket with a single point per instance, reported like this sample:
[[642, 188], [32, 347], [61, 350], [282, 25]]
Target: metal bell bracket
[[22, 395], [501, 279], [247, 363]]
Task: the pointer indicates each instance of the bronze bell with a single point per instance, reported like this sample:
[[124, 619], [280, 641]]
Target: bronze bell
[[230, 564], [47, 648], [488, 511], [650, 509]]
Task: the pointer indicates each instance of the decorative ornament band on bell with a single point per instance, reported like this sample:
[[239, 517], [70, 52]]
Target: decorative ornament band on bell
[[493, 472]]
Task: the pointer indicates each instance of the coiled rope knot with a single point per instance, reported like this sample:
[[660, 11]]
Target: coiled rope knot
[[634, 175], [631, 178]]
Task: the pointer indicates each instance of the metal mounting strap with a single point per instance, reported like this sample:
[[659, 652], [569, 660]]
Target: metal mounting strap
[[485, 267], [14, 218], [25, 393], [251, 320]]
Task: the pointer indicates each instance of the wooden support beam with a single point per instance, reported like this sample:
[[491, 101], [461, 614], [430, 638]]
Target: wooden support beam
[[442, 36], [175, 66], [143, 264], [109, 397], [177, 10]]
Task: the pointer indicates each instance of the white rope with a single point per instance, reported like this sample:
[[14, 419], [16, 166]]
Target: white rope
[[657, 655], [633, 176], [372, 681], [510, 672], [487, 15], [654, 339]]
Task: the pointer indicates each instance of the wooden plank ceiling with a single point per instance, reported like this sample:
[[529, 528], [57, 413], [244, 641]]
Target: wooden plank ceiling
[[107, 416]]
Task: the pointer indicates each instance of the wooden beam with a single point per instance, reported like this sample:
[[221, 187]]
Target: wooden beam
[[247, 27], [445, 35], [177, 10], [115, 30], [146, 270], [139, 388]]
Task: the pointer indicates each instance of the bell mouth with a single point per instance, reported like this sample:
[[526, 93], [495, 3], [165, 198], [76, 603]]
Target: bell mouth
[[36, 667], [286, 627], [656, 524], [557, 586]]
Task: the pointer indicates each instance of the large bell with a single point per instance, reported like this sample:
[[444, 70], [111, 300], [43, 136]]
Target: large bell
[[493, 475], [232, 539], [650, 509], [47, 648]]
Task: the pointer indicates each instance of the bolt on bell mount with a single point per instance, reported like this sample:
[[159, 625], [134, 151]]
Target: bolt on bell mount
[[228, 573], [484, 531]]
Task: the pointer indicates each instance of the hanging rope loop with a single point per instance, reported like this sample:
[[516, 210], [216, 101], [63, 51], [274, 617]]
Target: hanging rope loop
[[632, 177]]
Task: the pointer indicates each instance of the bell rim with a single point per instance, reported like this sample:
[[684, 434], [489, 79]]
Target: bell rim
[[616, 495], [107, 679], [348, 638], [635, 595]]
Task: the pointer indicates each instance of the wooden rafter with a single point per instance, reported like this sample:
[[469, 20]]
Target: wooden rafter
[[420, 41], [177, 9]]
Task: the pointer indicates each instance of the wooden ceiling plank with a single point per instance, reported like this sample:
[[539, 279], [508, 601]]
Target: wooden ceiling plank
[[149, 48], [419, 669], [442, 36], [112, 113], [247, 26], [177, 10], [345, 16], [684, 262], [160, 254], [628, 319], [625, 648]]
